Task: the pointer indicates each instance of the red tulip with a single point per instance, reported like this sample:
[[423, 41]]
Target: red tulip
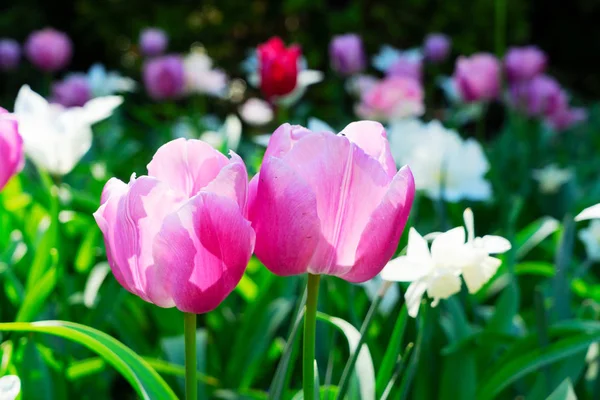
[[278, 67]]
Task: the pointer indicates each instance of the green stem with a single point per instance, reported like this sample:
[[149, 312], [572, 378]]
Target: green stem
[[500, 25], [191, 386], [310, 322]]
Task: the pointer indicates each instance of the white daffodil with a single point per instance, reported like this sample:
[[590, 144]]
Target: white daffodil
[[428, 271], [590, 237], [201, 77], [256, 112], [551, 178], [228, 135], [592, 212], [443, 164], [475, 262], [10, 387], [56, 138], [106, 83]]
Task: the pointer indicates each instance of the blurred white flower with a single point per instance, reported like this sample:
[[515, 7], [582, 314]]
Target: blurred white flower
[[437, 271], [317, 125], [359, 84], [228, 135], [105, 83], [201, 77], [590, 237], [256, 112], [551, 178], [10, 387], [592, 212], [443, 164], [56, 138], [389, 55]]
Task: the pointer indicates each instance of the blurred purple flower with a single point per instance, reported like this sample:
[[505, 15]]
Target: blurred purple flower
[[477, 77], [347, 54], [10, 54], [164, 77], [566, 117], [539, 96], [524, 63], [49, 49], [153, 42], [406, 67], [437, 47], [73, 91]]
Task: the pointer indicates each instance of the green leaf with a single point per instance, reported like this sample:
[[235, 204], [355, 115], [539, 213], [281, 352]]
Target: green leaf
[[533, 234], [36, 297], [538, 268], [392, 352], [563, 392], [365, 371], [521, 365], [145, 380]]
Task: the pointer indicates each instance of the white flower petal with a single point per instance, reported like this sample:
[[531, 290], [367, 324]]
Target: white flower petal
[[445, 283], [446, 248], [417, 246], [592, 212], [100, 108], [477, 276], [10, 387], [262, 140], [413, 297], [469, 224], [405, 269], [495, 244]]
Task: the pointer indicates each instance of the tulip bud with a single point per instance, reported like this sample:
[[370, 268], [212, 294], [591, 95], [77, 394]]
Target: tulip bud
[[524, 63], [11, 148], [10, 54], [49, 49], [347, 55], [153, 42], [73, 91], [278, 67], [164, 77], [392, 98], [308, 204], [478, 77], [437, 47]]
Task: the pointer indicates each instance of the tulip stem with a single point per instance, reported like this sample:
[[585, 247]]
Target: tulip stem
[[310, 322], [189, 328]]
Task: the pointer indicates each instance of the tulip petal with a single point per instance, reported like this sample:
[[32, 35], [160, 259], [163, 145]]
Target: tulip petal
[[232, 182], [372, 138], [339, 173], [202, 251], [283, 211], [413, 296], [186, 166], [130, 219], [405, 269], [284, 138], [381, 235]]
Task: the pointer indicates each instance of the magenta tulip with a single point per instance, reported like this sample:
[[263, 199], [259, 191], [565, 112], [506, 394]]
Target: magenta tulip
[[437, 47], [329, 204], [49, 49], [11, 148], [524, 63], [478, 77], [179, 236]]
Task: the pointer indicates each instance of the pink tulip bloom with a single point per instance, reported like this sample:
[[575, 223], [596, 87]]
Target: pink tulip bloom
[[478, 77], [11, 148], [392, 98], [524, 63], [329, 204], [179, 236]]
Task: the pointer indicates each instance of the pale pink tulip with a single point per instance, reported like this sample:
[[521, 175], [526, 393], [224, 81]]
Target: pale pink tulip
[[329, 204], [392, 98], [11, 148], [179, 236], [478, 77]]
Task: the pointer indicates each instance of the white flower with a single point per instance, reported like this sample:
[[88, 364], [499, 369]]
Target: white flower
[[551, 178], [592, 212], [437, 271], [56, 138], [590, 237], [389, 55], [201, 77], [443, 164], [256, 112], [10, 386], [229, 134], [105, 83]]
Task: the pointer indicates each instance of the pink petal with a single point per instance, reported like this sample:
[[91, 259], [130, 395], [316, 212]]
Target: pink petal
[[232, 182], [284, 138], [348, 185], [372, 138], [186, 165], [202, 251], [380, 238], [283, 211], [130, 218], [11, 149]]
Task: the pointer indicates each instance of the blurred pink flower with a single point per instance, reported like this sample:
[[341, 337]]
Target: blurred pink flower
[[539, 96], [477, 77], [49, 49], [437, 47], [164, 77], [179, 236], [566, 117], [309, 208], [11, 148], [153, 42], [392, 98], [347, 55], [407, 67], [73, 91], [524, 63]]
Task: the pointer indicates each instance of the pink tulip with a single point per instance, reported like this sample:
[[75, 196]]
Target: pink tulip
[[179, 236], [524, 63], [11, 148], [392, 98], [478, 77], [329, 204]]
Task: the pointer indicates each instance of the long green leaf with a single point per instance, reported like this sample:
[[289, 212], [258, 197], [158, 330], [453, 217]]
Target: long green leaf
[[145, 380], [392, 353]]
